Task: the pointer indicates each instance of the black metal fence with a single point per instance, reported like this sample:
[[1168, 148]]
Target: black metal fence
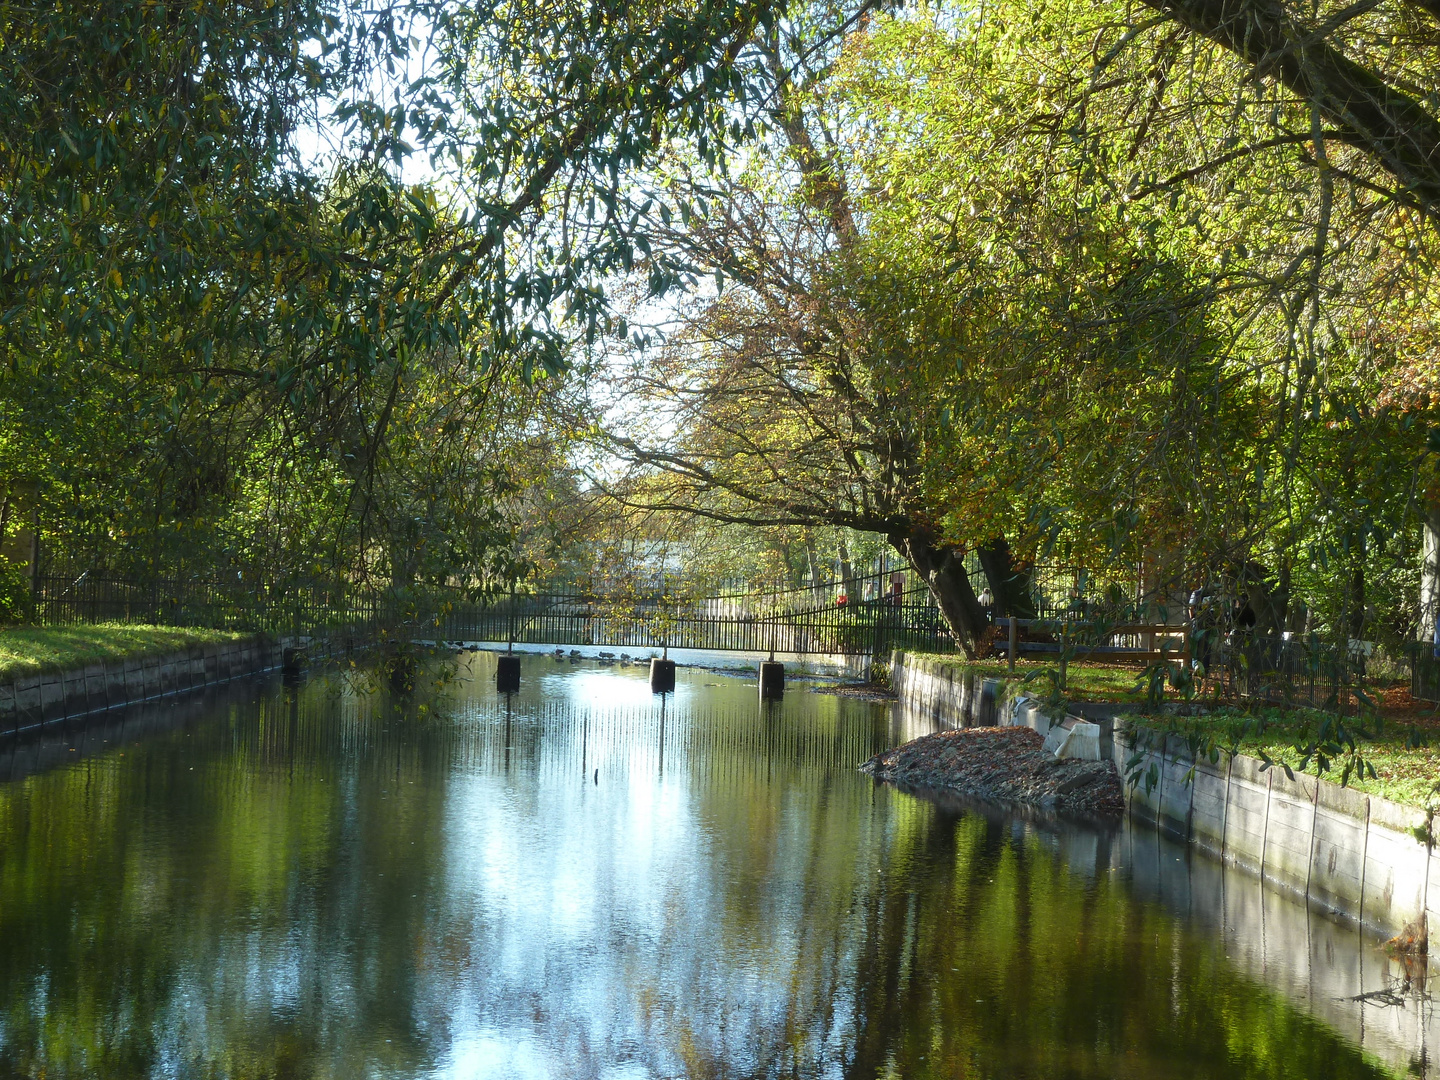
[[1289, 668], [816, 620], [1425, 673], [869, 615], [800, 621], [305, 607]]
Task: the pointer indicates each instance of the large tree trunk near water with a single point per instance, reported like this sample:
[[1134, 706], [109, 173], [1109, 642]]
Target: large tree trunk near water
[[943, 569], [847, 571], [1010, 584], [812, 562], [1263, 596], [1429, 628]]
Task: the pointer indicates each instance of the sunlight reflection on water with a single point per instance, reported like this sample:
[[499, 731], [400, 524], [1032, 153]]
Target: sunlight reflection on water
[[587, 880]]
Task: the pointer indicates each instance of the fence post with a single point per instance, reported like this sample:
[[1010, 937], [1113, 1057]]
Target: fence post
[[875, 636], [1064, 648]]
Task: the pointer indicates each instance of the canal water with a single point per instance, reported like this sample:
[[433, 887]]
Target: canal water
[[333, 879]]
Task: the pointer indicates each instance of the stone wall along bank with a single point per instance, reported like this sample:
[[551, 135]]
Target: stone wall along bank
[[32, 701], [1359, 856]]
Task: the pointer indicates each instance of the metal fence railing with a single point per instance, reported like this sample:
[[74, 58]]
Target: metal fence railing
[[783, 623], [816, 620], [1289, 668], [305, 607], [868, 615], [1279, 668], [1425, 673]]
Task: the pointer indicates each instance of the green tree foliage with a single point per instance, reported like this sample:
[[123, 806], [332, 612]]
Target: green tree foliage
[[1045, 275], [189, 289], [1366, 68], [1201, 358]]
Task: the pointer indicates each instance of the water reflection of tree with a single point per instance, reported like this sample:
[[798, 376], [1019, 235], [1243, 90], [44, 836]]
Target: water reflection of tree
[[1014, 966], [827, 926], [925, 944], [120, 931]]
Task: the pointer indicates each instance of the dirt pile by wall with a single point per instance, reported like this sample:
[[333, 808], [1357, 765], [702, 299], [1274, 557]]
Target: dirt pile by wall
[[1002, 763]]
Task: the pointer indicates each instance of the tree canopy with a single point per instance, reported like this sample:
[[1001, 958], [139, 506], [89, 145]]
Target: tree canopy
[[1047, 283], [210, 242], [313, 288]]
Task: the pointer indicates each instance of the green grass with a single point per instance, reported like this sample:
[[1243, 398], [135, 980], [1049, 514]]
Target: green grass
[[25, 650], [1085, 680], [1404, 772]]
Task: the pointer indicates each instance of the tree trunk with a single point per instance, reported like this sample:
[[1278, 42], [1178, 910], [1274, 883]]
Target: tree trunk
[[786, 557], [1356, 605], [1263, 597], [812, 561], [1282, 598], [1009, 584], [847, 572], [404, 561], [1429, 630], [943, 569]]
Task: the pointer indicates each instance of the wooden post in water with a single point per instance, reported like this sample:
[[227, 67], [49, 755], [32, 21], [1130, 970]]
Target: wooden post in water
[[772, 680], [507, 673], [662, 675], [507, 667]]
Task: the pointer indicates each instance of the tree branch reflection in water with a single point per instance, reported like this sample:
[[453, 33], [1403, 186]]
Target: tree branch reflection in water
[[323, 881]]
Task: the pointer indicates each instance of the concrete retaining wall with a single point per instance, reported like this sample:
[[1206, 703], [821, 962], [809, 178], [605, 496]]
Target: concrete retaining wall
[[945, 694], [932, 691], [34, 700], [1353, 854]]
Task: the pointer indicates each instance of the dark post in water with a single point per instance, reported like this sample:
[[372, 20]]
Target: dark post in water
[[507, 673], [507, 670], [662, 675], [772, 680]]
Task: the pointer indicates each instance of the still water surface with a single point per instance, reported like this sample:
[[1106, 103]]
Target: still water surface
[[333, 881]]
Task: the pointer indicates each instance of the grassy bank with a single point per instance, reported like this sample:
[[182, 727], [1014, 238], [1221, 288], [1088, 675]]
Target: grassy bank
[[1398, 736], [1403, 747], [1085, 680], [25, 650]]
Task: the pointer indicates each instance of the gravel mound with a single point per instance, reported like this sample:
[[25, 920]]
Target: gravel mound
[[861, 691], [1002, 763]]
